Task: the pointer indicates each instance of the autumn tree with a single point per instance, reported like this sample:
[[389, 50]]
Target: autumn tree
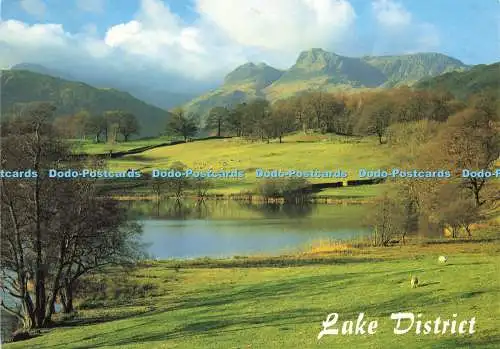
[[316, 104], [386, 221], [95, 126], [235, 120], [283, 119], [258, 119], [128, 125], [457, 210], [182, 124], [112, 120], [380, 119], [217, 120], [470, 140]]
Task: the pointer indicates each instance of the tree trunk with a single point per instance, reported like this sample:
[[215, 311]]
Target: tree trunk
[[67, 298], [280, 139], [476, 189], [218, 129], [39, 265]]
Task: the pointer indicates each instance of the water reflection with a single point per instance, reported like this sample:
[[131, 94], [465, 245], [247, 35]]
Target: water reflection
[[190, 228], [174, 209]]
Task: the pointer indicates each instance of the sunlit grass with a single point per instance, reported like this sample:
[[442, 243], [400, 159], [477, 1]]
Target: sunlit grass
[[281, 302]]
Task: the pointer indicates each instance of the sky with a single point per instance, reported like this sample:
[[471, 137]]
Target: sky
[[202, 40]]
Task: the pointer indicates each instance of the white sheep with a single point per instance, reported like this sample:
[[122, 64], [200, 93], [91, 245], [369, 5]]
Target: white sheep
[[414, 282], [442, 259]]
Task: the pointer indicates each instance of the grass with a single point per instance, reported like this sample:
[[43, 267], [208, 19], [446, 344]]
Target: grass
[[89, 147], [231, 153], [281, 302], [299, 151]]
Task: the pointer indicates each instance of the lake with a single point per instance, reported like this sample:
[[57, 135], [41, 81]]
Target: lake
[[188, 229]]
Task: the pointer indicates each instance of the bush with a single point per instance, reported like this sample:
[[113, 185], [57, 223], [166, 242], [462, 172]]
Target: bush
[[269, 188], [98, 291], [292, 190]]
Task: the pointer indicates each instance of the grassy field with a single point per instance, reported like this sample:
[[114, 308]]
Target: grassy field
[[300, 152], [281, 302], [90, 147]]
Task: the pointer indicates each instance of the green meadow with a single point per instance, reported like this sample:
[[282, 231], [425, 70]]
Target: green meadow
[[280, 302], [298, 151]]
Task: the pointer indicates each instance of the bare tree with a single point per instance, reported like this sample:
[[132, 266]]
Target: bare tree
[[47, 222]]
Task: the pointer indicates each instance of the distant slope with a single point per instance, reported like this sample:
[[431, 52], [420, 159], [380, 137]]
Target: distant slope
[[408, 69], [22, 86], [462, 84], [317, 63], [244, 83], [259, 76], [317, 69], [156, 96], [40, 69]]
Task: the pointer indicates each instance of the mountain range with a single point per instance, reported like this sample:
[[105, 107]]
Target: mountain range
[[314, 70], [480, 78], [69, 97], [317, 69], [159, 96]]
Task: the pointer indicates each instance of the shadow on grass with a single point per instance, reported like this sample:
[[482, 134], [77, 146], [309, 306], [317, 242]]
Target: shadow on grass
[[457, 241], [210, 326], [429, 283], [491, 341], [147, 326], [272, 262], [106, 318], [472, 263]]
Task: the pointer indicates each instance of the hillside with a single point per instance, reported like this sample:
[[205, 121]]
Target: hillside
[[333, 69], [462, 84], [22, 86], [409, 69], [246, 82], [317, 69], [259, 76], [154, 95]]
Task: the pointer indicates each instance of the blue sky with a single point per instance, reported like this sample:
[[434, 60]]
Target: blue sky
[[204, 39]]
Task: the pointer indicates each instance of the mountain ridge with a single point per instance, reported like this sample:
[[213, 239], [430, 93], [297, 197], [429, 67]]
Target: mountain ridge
[[318, 69], [70, 97], [155, 96]]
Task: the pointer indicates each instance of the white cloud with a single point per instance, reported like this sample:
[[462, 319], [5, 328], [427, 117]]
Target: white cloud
[[390, 13], [96, 6], [35, 8], [160, 37], [226, 33], [230, 33], [19, 35], [399, 32], [280, 24], [428, 37]]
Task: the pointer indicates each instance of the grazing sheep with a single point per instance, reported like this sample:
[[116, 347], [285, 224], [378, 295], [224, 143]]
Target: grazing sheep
[[414, 282], [442, 259]]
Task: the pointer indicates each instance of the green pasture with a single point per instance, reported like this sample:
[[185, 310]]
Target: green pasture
[[300, 152], [280, 303]]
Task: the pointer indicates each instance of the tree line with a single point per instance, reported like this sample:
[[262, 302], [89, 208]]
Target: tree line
[[362, 113], [107, 127], [468, 139]]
